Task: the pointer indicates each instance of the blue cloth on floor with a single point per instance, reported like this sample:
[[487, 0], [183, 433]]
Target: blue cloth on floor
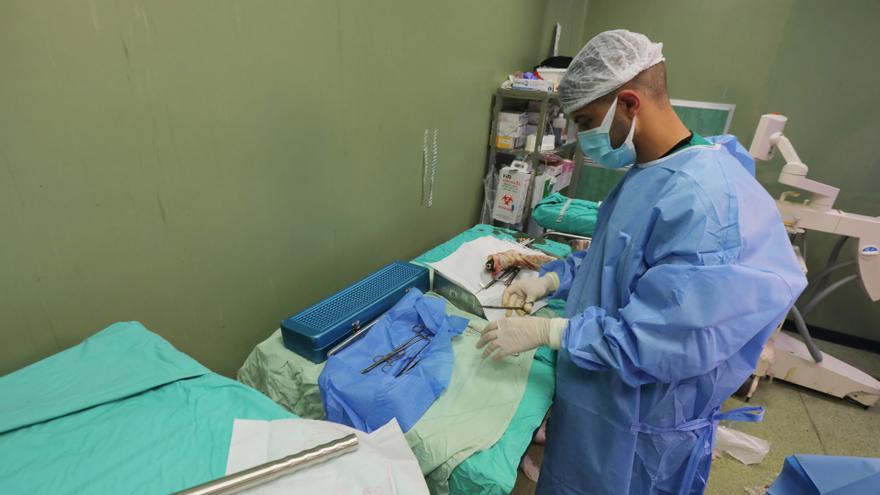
[[368, 401], [827, 475]]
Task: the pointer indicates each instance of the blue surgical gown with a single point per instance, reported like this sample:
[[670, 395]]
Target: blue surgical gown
[[689, 273]]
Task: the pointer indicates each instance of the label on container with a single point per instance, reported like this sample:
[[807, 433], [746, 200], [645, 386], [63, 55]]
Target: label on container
[[505, 142], [510, 197]]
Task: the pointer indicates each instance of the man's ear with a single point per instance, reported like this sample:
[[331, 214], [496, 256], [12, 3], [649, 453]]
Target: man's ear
[[630, 101]]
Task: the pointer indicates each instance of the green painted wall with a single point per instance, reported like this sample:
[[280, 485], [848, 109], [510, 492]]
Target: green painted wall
[[570, 14], [210, 167], [814, 61]]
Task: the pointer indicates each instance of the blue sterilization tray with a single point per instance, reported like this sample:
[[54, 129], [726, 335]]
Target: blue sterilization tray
[[313, 331]]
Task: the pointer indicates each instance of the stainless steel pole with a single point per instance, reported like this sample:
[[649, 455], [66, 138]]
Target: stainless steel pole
[[271, 470]]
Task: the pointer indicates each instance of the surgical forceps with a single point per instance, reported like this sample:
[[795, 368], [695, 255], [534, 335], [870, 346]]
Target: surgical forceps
[[413, 361], [507, 277], [388, 360], [526, 307]]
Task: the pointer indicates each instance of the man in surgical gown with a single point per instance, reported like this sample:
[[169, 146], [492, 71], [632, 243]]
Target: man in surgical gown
[[689, 273]]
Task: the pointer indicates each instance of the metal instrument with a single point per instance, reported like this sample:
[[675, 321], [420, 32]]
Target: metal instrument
[[576, 242], [507, 277], [272, 470], [520, 308], [513, 274], [413, 361], [359, 331], [387, 361]]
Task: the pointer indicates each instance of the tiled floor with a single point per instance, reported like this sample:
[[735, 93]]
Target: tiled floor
[[797, 421]]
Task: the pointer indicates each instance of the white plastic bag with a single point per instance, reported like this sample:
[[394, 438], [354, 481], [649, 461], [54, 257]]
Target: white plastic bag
[[743, 447]]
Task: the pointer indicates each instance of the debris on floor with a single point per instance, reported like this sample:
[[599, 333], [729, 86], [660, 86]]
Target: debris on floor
[[743, 447]]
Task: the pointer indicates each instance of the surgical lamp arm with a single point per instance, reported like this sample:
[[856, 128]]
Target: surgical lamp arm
[[769, 136], [794, 174]]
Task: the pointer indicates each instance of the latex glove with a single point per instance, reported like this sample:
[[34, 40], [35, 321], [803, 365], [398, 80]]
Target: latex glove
[[525, 292], [511, 335]]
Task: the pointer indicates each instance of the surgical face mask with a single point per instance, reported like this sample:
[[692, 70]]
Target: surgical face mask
[[596, 143]]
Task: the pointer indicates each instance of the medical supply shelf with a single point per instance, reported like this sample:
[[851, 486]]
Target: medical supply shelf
[[532, 156], [516, 153]]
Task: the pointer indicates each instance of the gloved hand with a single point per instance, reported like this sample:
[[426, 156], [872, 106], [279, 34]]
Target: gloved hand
[[511, 335], [525, 292]]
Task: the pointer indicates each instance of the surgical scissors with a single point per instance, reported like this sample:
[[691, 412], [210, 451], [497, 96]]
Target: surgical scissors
[[386, 363]]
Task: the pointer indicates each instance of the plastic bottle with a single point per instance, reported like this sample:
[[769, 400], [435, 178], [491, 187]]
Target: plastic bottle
[[559, 129]]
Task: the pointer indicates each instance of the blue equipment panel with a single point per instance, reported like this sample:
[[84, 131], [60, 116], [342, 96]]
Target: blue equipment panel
[[313, 331]]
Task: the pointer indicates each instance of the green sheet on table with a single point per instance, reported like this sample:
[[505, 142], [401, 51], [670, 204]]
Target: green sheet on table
[[474, 412], [471, 415], [122, 412], [493, 471], [450, 462]]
